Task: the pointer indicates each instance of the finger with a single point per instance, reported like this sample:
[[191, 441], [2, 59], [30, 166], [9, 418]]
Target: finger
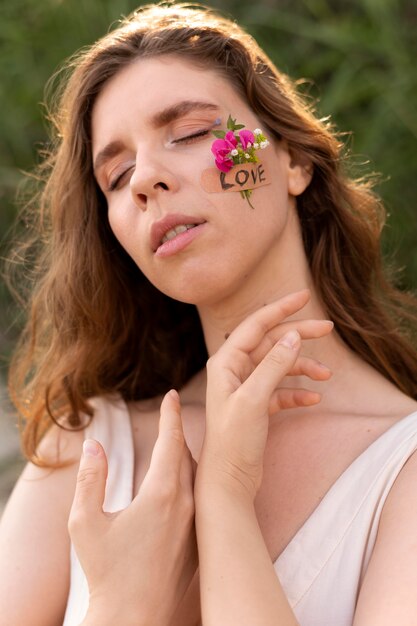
[[170, 412], [273, 367], [187, 482], [286, 398], [306, 366], [169, 447], [250, 332], [307, 329], [91, 480], [187, 469]]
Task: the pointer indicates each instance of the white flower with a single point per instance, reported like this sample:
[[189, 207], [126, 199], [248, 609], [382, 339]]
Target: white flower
[[249, 145], [234, 152], [256, 146], [247, 156], [264, 144], [257, 131]]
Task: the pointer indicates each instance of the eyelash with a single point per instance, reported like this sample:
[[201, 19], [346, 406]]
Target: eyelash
[[188, 139], [114, 183]]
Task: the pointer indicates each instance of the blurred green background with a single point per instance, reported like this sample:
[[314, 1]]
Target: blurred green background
[[360, 55]]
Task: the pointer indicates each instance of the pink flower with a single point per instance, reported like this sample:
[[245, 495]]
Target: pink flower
[[224, 165], [231, 149], [222, 156], [230, 139], [221, 149], [246, 136]]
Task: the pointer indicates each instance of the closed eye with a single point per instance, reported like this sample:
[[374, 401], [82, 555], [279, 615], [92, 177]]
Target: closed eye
[[190, 138], [115, 182]]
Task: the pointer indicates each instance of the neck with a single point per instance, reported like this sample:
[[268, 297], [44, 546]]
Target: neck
[[285, 270], [282, 271]]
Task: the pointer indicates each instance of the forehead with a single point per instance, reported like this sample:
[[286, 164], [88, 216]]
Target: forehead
[[150, 85]]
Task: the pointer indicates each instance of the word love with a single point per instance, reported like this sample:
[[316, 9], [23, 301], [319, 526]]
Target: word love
[[246, 176]]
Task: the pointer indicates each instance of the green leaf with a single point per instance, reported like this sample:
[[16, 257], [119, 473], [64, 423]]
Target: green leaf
[[239, 126], [231, 122], [219, 133]]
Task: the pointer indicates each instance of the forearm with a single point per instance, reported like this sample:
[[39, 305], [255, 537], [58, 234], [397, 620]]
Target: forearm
[[238, 582]]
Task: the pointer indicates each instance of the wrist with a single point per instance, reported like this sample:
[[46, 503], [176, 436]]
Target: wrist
[[218, 478], [212, 487]]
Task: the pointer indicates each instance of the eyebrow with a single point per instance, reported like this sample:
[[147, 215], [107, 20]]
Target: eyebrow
[[172, 113], [160, 119]]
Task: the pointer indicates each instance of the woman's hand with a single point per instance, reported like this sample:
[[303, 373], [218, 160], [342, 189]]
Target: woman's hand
[[238, 582], [243, 379], [139, 561]]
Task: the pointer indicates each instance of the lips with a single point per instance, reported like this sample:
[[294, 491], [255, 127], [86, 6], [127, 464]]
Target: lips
[[161, 227]]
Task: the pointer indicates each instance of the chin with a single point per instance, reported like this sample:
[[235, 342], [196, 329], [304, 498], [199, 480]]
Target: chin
[[188, 294], [203, 291]]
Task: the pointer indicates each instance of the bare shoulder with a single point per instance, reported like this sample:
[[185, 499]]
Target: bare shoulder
[[57, 446], [34, 541], [388, 592]]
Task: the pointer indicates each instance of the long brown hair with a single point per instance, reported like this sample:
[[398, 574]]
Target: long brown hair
[[95, 323]]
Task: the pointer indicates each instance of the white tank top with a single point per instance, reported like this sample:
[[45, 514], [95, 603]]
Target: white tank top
[[322, 568]]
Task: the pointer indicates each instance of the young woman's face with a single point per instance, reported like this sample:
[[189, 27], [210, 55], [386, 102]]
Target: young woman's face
[[152, 133]]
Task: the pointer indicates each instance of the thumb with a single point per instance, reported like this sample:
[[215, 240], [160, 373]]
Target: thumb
[[91, 480]]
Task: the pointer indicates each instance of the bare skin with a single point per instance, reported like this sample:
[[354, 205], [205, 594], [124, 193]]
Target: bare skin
[[229, 273], [291, 459], [307, 450], [294, 445], [358, 404]]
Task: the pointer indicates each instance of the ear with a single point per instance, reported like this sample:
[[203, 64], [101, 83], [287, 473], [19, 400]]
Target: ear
[[300, 172]]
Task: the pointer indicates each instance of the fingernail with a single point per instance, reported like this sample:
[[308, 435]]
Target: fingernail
[[290, 340], [174, 394], [90, 448]]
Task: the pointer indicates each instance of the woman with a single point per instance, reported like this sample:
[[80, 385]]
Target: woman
[[303, 497]]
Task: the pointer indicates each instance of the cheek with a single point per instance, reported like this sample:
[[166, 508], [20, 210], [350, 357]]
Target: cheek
[[266, 179], [118, 228], [241, 178], [125, 226]]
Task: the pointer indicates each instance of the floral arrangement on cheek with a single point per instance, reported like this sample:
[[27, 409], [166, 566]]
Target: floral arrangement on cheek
[[236, 147]]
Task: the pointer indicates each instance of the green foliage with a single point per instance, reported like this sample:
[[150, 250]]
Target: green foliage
[[232, 125], [359, 54]]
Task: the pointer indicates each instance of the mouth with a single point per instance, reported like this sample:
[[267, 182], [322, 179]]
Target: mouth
[[181, 228], [179, 241], [170, 227]]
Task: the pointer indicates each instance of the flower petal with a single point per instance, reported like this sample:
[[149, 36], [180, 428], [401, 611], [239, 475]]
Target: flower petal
[[231, 139], [224, 165], [220, 146], [246, 136]]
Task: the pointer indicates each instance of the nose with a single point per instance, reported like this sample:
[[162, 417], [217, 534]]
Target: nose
[[149, 180]]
